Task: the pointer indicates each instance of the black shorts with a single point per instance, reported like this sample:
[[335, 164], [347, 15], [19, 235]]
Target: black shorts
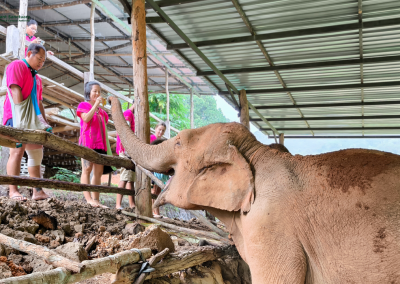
[[107, 169]]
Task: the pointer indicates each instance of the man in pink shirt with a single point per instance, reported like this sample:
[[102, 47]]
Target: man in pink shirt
[[20, 81], [127, 177]]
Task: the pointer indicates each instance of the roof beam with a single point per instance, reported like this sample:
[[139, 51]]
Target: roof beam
[[337, 128], [331, 105], [104, 51], [286, 34], [322, 87], [149, 20], [46, 7], [166, 3], [330, 118], [86, 39], [304, 65]]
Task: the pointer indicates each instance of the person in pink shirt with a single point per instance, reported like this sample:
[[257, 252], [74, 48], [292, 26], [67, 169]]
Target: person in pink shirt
[[31, 30], [159, 131], [20, 76], [93, 122], [127, 177]]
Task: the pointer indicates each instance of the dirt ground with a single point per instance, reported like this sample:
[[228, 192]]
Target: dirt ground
[[68, 225]]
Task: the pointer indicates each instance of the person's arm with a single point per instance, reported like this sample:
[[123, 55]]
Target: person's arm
[[86, 117], [16, 93]]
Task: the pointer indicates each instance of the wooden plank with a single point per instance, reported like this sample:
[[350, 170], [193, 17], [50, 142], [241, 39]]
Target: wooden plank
[[142, 122]]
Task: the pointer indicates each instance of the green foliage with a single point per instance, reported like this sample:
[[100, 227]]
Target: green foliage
[[67, 175], [205, 110]]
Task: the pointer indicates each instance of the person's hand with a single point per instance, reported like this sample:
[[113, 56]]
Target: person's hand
[[49, 52], [99, 100], [37, 40]]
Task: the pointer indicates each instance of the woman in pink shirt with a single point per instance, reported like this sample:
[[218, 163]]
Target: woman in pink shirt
[[31, 30], [93, 122], [159, 131]]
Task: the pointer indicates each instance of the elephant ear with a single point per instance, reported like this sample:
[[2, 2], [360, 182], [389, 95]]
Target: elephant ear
[[228, 184]]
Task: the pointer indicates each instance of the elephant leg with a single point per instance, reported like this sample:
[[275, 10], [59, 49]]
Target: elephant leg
[[282, 261]]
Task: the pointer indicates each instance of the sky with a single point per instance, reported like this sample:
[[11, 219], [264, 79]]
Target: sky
[[314, 146]]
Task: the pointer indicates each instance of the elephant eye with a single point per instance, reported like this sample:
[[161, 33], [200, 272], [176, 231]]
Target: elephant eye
[[204, 168]]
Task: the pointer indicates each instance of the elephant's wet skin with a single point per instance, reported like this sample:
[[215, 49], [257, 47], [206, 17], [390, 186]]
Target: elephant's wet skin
[[294, 219]]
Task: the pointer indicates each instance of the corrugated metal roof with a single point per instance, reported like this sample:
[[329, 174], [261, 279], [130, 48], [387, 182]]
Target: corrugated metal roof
[[208, 20]]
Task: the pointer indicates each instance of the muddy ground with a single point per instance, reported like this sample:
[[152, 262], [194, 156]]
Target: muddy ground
[[75, 225]]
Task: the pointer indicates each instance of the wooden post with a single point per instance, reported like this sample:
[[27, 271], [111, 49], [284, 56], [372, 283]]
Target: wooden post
[[142, 120], [69, 48], [244, 109], [168, 130], [12, 40], [12, 46], [22, 20], [191, 109], [92, 39], [281, 138]]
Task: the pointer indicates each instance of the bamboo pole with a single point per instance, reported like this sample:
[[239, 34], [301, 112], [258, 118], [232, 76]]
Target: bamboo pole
[[203, 234], [109, 264], [244, 109], [168, 130], [191, 109], [42, 252], [92, 40], [142, 121], [23, 12]]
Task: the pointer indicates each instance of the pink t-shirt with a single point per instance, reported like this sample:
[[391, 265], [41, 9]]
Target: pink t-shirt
[[93, 133], [129, 116], [19, 74], [152, 138], [28, 39]]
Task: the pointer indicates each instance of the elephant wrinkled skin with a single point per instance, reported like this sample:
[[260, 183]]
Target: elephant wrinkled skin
[[329, 218]]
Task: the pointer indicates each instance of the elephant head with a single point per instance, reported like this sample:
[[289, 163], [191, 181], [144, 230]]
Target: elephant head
[[210, 164]]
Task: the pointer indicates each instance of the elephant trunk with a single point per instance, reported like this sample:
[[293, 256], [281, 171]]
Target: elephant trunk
[[158, 158]]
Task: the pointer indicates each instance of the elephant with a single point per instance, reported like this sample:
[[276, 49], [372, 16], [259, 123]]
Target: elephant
[[328, 218]]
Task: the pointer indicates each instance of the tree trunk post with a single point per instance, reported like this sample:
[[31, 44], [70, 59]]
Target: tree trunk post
[[281, 138], [142, 122], [168, 123], [191, 109], [92, 39], [244, 109], [22, 20]]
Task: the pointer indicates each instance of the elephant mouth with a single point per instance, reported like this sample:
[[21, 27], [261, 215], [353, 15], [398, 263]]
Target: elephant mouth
[[161, 198]]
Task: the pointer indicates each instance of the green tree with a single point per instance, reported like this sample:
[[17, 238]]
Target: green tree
[[205, 110]]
